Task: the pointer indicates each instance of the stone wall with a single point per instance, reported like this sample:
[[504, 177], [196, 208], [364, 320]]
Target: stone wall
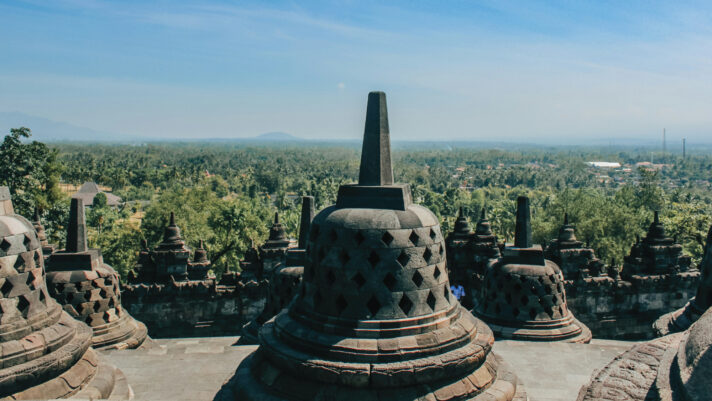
[[194, 308], [627, 309]]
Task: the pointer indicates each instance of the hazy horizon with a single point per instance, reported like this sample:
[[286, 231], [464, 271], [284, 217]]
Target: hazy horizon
[[568, 73]]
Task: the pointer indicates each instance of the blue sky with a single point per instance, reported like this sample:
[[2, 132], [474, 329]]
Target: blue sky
[[482, 70]]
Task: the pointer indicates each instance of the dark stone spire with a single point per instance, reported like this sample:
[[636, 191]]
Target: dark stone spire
[[76, 230], [376, 167], [523, 229], [567, 233], [305, 222]]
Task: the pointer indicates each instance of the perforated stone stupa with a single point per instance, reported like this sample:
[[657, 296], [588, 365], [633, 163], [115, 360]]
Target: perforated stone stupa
[[47, 248], [570, 254], [273, 252], [681, 319], [656, 254], [523, 296], [676, 367], [44, 352], [285, 280], [374, 318], [88, 289]]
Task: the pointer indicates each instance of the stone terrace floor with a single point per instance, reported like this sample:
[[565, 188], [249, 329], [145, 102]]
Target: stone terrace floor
[[195, 368]]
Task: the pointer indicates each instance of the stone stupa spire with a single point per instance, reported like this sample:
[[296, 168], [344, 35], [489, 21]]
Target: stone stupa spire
[[305, 221], [523, 228], [76, 230], [376, 169]]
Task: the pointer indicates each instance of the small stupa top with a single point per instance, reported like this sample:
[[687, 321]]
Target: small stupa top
[[277, 235], [375, 188], [172, 238], [462, 226], [567, 235], [200, 256], [88, 191], [656, 233], [483, 230]]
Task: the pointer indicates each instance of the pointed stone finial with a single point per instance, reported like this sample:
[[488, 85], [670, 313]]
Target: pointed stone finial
[[276, 217], [376, 169], [460, 213], [172, 220], [306, 219], [566, 219], [37, 214], [483, 214], [76, 229], [656, 219], [202, 244], [523, 228]]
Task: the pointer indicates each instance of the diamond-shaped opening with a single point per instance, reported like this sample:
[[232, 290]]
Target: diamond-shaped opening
[[330, 277], [38, 258], [341, 304], [427, 254], [106, 316], [387, 238], [373, 305], [359, 280], [525, 300], [321, 255], [5, 244], [103, 293], [515, 312], [446, 293], [373, 258], [6, 288], [417, 278], [87, 295], [333, 236], [70, 297], [389, 281], [414, 238], [359, 238], [88, 320], [23, 305], [42, 296], [441, 250], [405, 304], [27, 241], [433, 235], [96, 306], [30, 280], [344, 257], [436, 272], [431, 300], [112, 303], [19, 263], [403, 258]]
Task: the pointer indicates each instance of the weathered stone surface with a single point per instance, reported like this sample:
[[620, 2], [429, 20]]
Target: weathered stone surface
[[674, 367], [523, 295], [681, 319], [374, 318], [88, 289], [44, 353]]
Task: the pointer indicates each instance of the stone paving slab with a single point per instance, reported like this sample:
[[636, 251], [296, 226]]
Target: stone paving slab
[[195, 368]]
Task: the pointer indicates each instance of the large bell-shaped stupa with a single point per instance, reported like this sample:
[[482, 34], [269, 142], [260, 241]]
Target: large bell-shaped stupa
[[523, 296], [374, 318], [44, 352]]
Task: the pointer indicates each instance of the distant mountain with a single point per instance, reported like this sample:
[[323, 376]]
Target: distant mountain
[[46, 130], [276, 136]]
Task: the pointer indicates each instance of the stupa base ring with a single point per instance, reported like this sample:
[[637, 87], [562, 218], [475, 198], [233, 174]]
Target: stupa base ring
[[576, 332], [125, 333]]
